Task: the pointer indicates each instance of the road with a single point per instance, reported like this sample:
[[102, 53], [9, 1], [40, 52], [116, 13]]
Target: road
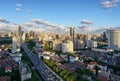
[[46, 73]]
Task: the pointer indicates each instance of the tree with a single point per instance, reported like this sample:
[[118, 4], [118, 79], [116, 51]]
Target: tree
[[47, 47], [62, 73], [80, 72], [79, 78], [97, 68], [9, 50], [2, 72], [98, 80], [68, 53], [71, 77], [31, 44], [58, 52]]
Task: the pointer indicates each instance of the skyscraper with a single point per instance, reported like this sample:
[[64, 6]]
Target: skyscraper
[[72, 35], [23, 36], [114, 39], [19, 31], [16, 41]]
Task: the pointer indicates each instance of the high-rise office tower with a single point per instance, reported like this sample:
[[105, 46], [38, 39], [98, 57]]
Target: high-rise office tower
[[19, 31], [57, 36], [104, 37], [16, 44], [23, 37], [19, 34], [114, 39], [72, 34], [16, 41], [31, 34]]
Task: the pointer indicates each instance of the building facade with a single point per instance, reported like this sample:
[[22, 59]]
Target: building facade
[[67, 47], [25, 72], [114, 39]]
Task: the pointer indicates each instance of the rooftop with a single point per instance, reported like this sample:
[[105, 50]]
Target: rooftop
[[4, 78]]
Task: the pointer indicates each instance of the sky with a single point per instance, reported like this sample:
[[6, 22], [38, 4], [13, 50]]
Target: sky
[[82, 14]]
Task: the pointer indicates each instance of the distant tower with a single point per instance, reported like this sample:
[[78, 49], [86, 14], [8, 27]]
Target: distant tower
[[19, 31], [23, 37], [19, 36], [31, 34], [57, 36], [104, 36], [88, 37], [16, 44], [72, 34]]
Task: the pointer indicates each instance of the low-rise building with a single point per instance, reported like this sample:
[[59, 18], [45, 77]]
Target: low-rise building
[[72, 58], [8, 64], [46, 57], [114, 77], [8, 69], [4, 78], [25, 72], [16, 56]]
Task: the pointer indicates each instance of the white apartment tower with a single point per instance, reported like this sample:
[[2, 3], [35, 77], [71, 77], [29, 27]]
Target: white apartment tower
[[23, 36], [114, 39], [67, 47], [16, 41]]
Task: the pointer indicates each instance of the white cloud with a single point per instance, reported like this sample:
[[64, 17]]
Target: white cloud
[[12, 25], [110, 3], [29, 24], [2, 25], [45, 23], [18, 9], [86, 22], [37, 21], [107, 4], [18, 17], [84, 28], [29, 10], [3, 20], [19, 5], [39, 25]]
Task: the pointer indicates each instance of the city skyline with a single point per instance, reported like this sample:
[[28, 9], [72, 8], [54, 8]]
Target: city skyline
[[59, 40], [60, 14]]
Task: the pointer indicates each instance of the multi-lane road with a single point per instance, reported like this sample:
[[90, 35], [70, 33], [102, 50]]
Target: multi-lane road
[[46, 73]]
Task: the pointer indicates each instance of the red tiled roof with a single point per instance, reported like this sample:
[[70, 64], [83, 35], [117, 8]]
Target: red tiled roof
[[8, 62], [102, 78], [91, 63], [4, 78], [8, 68]]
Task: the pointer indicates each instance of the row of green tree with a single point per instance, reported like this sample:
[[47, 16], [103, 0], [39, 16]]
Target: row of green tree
[[67, 75], [31, 44]]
